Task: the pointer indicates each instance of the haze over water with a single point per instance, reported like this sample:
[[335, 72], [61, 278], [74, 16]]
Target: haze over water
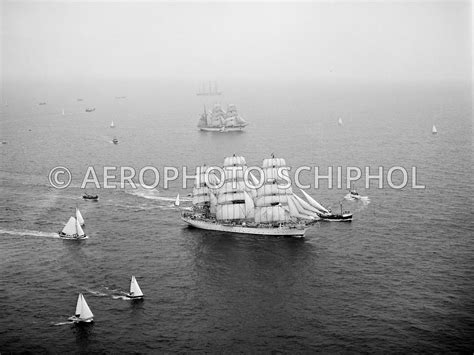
[[399, 278]]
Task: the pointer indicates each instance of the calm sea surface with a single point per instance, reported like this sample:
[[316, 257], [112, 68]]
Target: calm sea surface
[[399, 278]]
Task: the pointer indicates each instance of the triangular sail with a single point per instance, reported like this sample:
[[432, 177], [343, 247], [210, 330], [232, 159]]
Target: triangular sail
[[314, 203], [434, 130], [134, 288], [79, 217], [79, 305], [112, 125], [305, 204], [176, 202], [70, 227], [85, 312], [79, 230]]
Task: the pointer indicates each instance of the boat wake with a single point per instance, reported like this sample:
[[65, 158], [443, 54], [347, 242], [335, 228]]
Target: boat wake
[[29, 233], [153, 194], [95, 293], [121, 297], [363, 199], [64, 323]]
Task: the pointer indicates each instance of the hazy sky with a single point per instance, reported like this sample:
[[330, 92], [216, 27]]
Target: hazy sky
[[200, 41]]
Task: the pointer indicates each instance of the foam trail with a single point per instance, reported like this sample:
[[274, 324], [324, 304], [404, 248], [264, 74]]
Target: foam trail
[[30, 233], [95, 293], [125, 298], [64, 323]]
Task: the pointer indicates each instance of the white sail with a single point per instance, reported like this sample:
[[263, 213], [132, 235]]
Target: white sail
[[230, 211], [134, 288], [112, 125], [85, 312], [305, 204], [249, 206], [70, 227], [79, 230], [340, 121], [314, 203], [235, 161], [213, 204], [273, 189], [176, 202], [434, 130], [294, 212], [271, 214], [230, 197], [79, 217], [79, 305], [303, 211], [273, 163], [62, 112], [268, 200]]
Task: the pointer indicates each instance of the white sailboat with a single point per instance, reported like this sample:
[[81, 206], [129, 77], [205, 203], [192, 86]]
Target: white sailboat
[[135, 291], [339, 122], [72, 230], [112, 125], [63, 112], [434, 130], [83, 312], [219, 120], [176, 202], [79, 217]]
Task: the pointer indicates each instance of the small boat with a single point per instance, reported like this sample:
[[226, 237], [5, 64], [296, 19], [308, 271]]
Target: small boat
[[115, 140], [83, 312], [135, 291], [72, 230], [90, 197], [112, 124], [42, 103], [339, 122], [90, 109], [345, 216], [80, 99], [434, 130], [79, 217], [354, 194], [176, 202]]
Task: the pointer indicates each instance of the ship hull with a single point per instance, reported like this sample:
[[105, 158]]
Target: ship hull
[[277, 231], [221, 129]]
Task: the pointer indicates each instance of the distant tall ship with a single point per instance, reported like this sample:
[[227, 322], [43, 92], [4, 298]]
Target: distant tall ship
[[219, 120], [209, 90], [238, 206]]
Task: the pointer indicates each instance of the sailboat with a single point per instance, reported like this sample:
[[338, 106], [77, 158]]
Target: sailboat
[[237, 206], [135, 291], [353, 193], [434, 130], [115, 140], [79, 217], [63, 112], [176, 202], [112, 124], [83, 312], [339, 122], [72, 230]]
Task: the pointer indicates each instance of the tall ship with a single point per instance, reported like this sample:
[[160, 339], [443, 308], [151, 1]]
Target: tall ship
[[218, 120], [239, 205], [210, 90]]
